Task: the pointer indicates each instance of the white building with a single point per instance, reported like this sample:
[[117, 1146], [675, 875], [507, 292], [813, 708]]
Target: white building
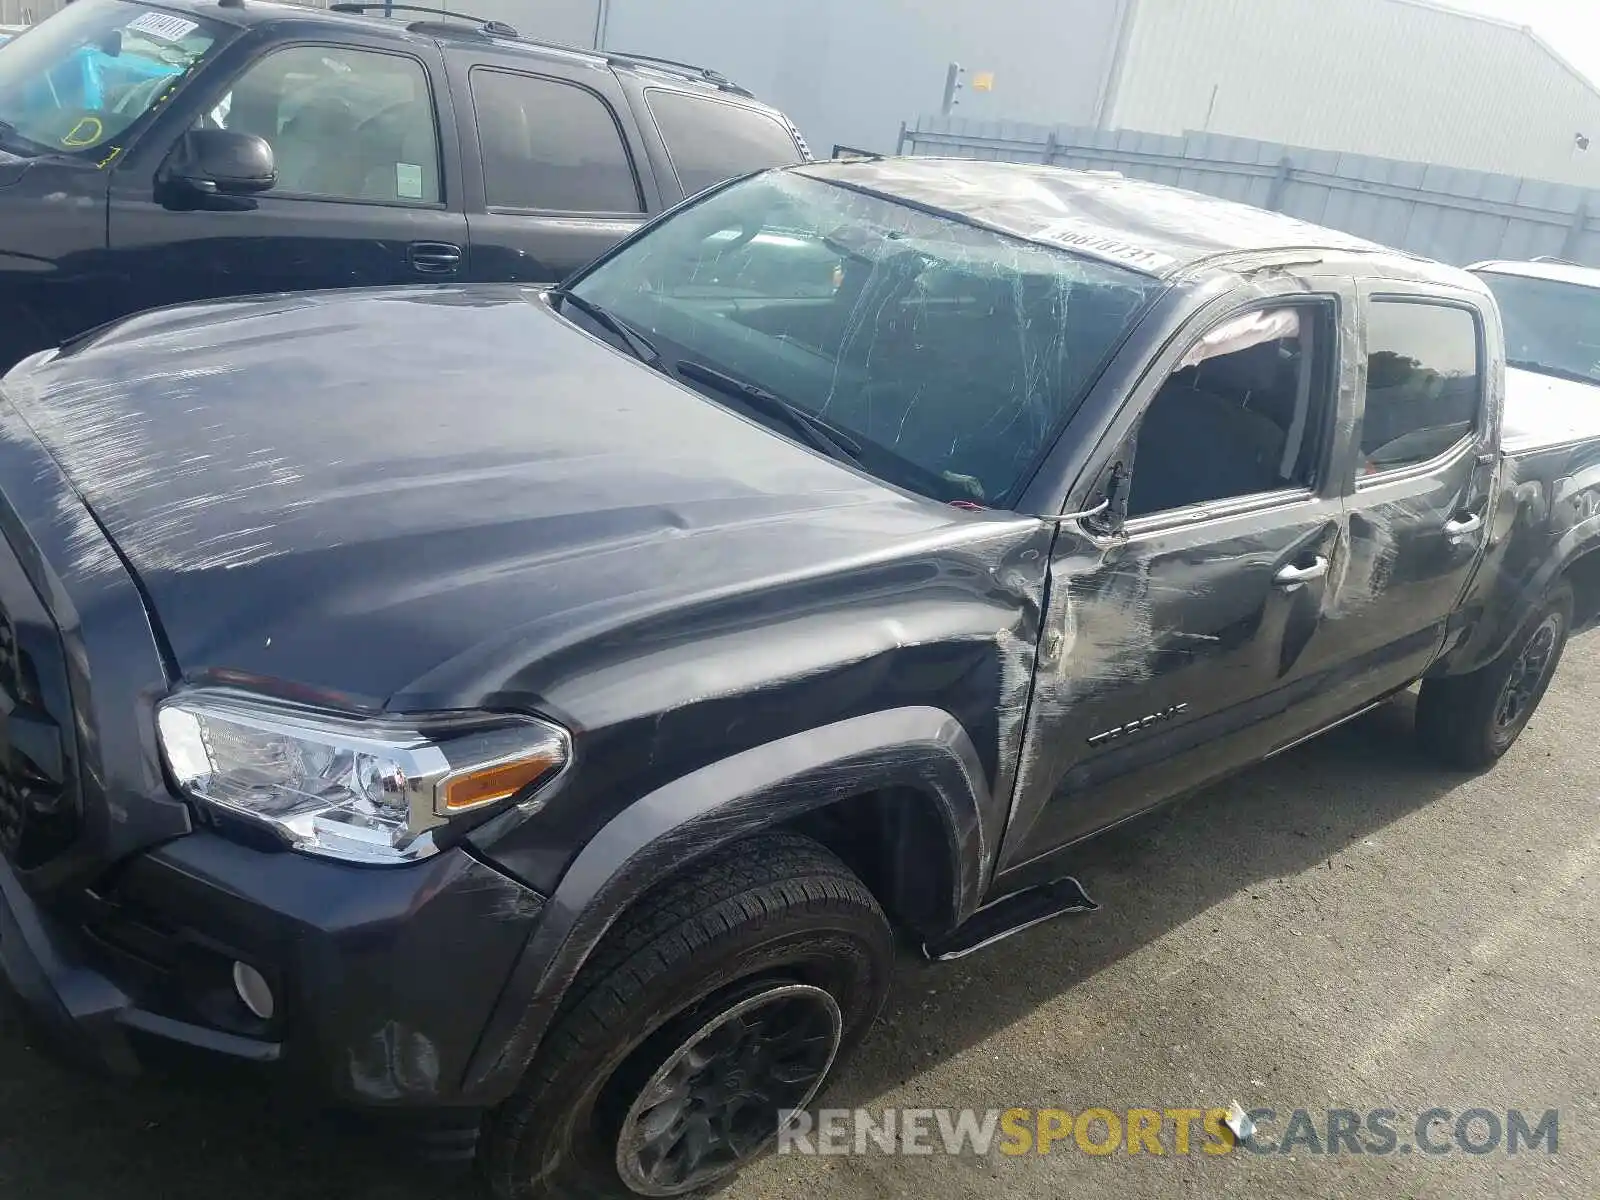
[[1404, 79]]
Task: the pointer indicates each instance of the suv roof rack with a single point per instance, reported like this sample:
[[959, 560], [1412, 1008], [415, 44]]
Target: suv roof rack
[[498, 28], [620, 58], [1551, 258]]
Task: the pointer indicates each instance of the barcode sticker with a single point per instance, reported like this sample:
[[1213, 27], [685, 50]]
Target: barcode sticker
[[164, 26]]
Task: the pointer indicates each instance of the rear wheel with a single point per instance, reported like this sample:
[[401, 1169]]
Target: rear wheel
[[1471, 720], [722, 999]]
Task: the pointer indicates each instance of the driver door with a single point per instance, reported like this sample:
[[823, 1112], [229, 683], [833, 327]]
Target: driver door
[[1194, 640], [364, 145]]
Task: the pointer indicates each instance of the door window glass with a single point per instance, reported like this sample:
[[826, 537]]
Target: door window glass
[[712, 140], [550, 146], [343, 124], [1241, 415], [1424, 383]]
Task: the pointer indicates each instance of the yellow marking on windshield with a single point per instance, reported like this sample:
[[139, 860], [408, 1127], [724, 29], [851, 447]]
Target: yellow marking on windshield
[[78, 138]]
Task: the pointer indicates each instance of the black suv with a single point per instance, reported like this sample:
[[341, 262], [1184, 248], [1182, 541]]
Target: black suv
[[157, 153]]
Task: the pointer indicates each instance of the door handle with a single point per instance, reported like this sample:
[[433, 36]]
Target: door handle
[[1459, 527], [1290, 578], [435, 258]]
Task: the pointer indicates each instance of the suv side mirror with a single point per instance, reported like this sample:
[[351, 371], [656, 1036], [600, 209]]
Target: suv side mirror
[[222, 162]]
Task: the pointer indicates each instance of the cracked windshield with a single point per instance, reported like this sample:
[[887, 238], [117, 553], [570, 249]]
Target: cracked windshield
[[859, 600], [938, 355]]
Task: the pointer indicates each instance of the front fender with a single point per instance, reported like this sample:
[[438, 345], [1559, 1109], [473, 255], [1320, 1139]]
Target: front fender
[[921, 748]]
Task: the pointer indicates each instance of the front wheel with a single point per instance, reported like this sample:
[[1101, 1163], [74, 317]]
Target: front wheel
[[723, 999], [1471, 720]]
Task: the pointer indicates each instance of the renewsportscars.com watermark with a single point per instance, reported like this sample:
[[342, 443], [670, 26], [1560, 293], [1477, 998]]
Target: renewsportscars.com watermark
[[1167, 1132]]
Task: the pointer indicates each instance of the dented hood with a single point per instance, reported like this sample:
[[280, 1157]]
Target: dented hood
[[358, 491]]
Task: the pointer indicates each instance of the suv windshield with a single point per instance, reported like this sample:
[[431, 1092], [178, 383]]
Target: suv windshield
[[944, 357], [75, 83], [1551, 327]]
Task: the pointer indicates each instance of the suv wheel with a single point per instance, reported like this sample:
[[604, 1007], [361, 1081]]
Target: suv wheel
[[722, 999], [1471, 720]]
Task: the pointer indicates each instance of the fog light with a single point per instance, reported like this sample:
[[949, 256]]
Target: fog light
[[253, 990]]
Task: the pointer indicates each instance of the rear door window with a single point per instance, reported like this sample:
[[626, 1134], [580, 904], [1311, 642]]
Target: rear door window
[[550, 146], [1424, 383], [710, 140]]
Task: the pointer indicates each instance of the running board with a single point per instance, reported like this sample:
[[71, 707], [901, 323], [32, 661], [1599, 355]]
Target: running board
[[1010, 914]]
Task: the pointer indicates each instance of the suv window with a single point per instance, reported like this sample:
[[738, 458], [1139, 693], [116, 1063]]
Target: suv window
[[551, 146], [343, 124], [711, 140], [1424, 382], [1242, 414]]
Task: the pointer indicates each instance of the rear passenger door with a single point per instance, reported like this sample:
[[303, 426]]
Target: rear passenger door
[[1421, 480], [364, 144], [552, 179]]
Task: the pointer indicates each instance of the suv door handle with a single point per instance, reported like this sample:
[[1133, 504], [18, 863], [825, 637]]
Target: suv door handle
[[1291, 577], [435, 258], [1459, 527]]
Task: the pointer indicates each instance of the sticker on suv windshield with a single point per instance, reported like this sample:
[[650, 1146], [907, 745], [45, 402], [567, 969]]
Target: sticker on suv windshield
[[408, 181], [164, 26]]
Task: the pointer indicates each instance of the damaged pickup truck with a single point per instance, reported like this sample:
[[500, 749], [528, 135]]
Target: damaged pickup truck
[[541, 710]]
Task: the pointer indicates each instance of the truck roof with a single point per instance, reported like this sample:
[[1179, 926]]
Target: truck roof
[[1159, 230]]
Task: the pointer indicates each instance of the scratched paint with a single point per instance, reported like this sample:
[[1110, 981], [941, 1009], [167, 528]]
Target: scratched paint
[[109, 446]]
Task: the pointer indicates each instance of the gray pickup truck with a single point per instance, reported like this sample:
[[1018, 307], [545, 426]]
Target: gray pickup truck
[[540, 709]]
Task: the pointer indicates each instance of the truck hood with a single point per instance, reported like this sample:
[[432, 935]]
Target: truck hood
[[357, 492], [1544, 410]]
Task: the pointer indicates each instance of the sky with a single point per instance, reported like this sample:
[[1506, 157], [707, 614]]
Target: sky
[[1571, 26]]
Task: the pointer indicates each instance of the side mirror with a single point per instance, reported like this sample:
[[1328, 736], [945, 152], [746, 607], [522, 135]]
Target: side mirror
[[222, 162]]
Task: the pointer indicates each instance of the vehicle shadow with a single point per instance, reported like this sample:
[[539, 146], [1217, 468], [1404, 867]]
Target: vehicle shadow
[[68, 1138]]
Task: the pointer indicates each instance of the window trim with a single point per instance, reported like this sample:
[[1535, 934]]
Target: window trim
[[440, 205], [1194, 515], [1326, 305], [1450, 453], [672, 161], [515, 210]]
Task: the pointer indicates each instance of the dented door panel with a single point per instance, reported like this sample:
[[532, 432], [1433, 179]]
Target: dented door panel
[[1175, 653], [1169, 659]]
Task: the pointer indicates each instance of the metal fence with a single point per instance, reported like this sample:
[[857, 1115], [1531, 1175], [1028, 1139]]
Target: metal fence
[[1444, 213]]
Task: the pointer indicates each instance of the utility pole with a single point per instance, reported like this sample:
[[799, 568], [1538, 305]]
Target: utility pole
[[952, 85]]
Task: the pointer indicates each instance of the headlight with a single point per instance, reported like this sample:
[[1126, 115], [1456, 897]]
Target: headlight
[[366, 790]]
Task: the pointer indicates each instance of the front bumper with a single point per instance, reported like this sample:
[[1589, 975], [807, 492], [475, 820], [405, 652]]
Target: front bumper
[[384, 978]]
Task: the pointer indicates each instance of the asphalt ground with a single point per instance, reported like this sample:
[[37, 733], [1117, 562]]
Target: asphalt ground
[[1347, 927]]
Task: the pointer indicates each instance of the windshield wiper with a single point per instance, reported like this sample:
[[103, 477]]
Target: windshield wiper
[[814, 430], [1539, 368], [636, 342]]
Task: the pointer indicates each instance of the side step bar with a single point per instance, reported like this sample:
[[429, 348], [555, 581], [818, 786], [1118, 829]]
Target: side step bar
[[1010, 914]]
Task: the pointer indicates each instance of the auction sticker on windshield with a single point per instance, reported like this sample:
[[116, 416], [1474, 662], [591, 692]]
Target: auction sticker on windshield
[[164, 26]]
